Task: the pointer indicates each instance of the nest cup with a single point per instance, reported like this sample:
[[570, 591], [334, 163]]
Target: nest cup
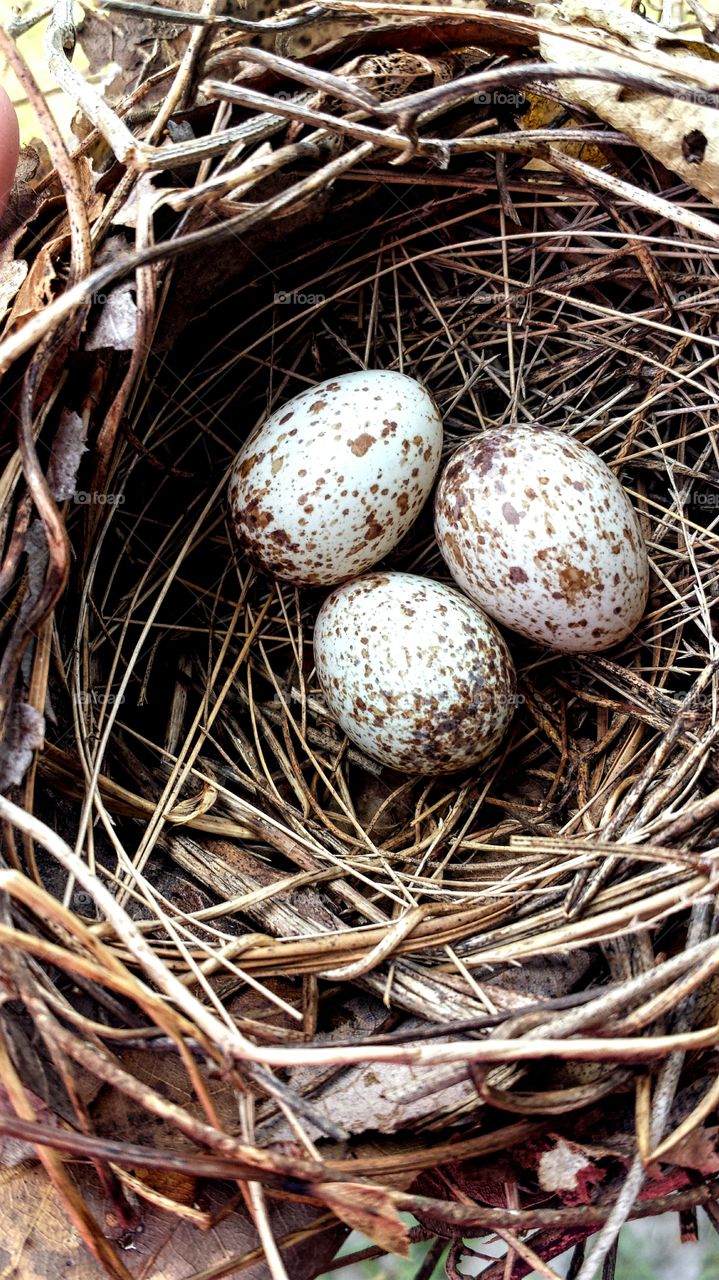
[[259, 989]]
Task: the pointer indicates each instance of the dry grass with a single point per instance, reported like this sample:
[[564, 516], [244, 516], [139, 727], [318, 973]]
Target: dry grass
[[209, 862]]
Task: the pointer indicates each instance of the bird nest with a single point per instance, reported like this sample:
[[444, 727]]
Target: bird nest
[[258, 989]]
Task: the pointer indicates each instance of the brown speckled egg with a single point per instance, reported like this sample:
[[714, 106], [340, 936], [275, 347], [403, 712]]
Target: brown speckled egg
[[332, 481], [540, 533], [413, 672]]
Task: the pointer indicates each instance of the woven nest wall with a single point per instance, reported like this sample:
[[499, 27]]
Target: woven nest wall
[[258, 989]]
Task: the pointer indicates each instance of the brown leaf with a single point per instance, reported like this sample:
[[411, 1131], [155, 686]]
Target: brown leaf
[[561, 1166], [181, 1188], [137, 47], [535, 980], [12, 1150], [38, 1239], [37, 289], [378, 1096], [699, 1150], [683, 135], [12, 274], [34, 162], [39, 1243], [117, 1116], [369, 1210]]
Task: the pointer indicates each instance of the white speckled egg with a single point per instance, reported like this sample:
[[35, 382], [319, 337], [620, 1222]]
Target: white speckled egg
[[537, 530], [414, 672], [332, 481]]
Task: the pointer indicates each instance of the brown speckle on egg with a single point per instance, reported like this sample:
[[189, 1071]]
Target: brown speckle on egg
[[510, 513], [429, 687], [575, 579], [351, 436], [360, 446]]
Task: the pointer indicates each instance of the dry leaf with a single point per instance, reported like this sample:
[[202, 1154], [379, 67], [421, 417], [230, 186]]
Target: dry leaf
[[37, 289], [13, 1151], [559, 1168], [136, 46], [543, 978], [544, 113], [141, 195], [25, 735], [387, 1097], [39, 1242], [38, 1239], [116, 324], [13, 271], [115, 1115], [67, 450], [12, 274], [369, 1210], [33, 163], [699, 1150], [160, 1243], [378, 1097], [684, 136]]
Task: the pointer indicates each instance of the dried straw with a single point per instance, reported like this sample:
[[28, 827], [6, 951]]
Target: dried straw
[[197, 862]]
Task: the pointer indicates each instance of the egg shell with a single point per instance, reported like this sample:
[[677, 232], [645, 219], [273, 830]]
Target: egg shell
[[540, 533], [332, 481], [9, 147], [414, 673]]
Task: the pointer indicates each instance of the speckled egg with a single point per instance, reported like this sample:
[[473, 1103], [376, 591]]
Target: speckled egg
[[414, 673], [332, 481], [540, 533]]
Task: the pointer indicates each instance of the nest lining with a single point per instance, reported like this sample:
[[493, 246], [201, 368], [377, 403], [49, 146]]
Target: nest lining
[[557, 897]]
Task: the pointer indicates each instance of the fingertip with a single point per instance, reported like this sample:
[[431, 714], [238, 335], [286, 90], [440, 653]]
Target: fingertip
[[9, 147]]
